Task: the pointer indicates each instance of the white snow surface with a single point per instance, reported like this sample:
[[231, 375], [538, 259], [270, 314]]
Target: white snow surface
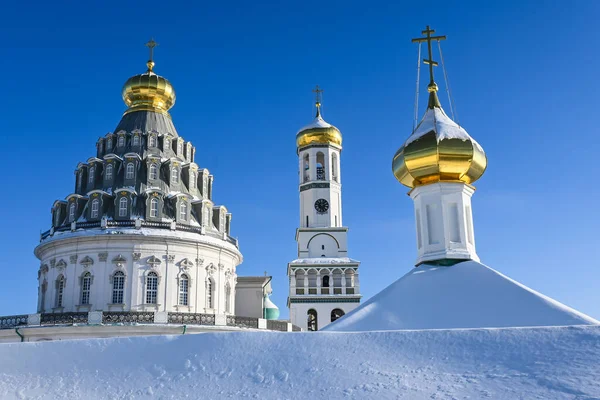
[[465, 295], [318, 122], [435, 119], [514, 363]]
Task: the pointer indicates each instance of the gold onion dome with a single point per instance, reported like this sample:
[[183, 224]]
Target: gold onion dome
[[148, 91], [439, 150], [319, 132]]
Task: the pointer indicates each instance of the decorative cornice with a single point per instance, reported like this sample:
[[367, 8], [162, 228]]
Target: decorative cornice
[[119, 261], [153, 261], [87, 261], [103, 256], [136, 256], [327, 300], [73, 259], [211, 269], [314, 185]]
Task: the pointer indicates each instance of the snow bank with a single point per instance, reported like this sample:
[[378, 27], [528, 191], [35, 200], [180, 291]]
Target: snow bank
[[525, 363], [466, 295]]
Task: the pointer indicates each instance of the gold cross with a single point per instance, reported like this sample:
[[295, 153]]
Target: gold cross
[[317, 90], [428, 39], [151, 45]]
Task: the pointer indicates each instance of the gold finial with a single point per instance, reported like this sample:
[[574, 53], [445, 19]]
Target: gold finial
[[317, 91], [151, 45], [432, 88]]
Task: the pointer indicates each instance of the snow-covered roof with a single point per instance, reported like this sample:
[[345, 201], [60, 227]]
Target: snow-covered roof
[[466, 295], [325, 260], [435, 119], [527, 363], [318, 122]]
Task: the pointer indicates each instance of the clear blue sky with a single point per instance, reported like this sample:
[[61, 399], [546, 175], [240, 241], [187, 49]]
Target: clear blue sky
[[523, 76]]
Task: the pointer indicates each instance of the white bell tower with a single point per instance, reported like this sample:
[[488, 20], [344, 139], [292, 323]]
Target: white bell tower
[[323, 280]]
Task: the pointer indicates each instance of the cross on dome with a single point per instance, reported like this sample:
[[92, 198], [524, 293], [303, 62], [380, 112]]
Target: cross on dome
[[318, 97], [428, 31], [151, 45]]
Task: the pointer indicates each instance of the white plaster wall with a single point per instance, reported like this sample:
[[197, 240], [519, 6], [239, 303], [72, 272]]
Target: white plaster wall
[[249, 302], [205, 259], [444, 222]]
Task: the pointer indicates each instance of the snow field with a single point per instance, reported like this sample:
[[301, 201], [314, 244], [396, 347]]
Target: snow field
[[511, 363]]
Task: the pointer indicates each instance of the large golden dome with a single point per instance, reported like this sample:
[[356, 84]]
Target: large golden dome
[[439, 150], [319, 132], [148, 92]]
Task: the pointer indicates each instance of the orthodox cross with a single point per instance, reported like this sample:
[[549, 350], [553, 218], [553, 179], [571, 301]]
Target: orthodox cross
[[151, 45], [317, 91], [428, 39]]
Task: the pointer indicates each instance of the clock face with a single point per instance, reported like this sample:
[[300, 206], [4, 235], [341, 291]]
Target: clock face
[[321, 206]]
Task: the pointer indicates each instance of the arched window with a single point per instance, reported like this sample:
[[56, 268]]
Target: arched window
[[154, 207], [121, 141], [109, 143], [184, 283], [153, 171], [109, 172], [72, 212], [91, 177], [167, 144], [306, 169], [60, 288], [183, 209], [325, 281], [152, 141], [210, 293], [130, 170], [228, 298], [320, 166], [118, 287], [336, 313], [334, 167], [86, 284], [136, 140], [312, 320], [95, 208], [174, 175], [151, 288], [192, 180], [123, 207]]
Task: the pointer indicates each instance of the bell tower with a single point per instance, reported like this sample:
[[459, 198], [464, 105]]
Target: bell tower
[[323, 279]]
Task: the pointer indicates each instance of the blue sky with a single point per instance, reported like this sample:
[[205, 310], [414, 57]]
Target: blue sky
[[522, 75]]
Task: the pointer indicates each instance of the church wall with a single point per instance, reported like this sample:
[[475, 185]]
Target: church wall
[[299, 312], [136, 256]]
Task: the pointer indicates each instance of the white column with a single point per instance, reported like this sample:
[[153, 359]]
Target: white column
[[444, 222]]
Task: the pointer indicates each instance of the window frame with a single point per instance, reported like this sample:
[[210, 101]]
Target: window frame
[[184, 290], [108, 172], [60, 291], [130, 170], [118, 287], [151, 289], [86, 286], [153, 201], [123, 210], [95, 208]]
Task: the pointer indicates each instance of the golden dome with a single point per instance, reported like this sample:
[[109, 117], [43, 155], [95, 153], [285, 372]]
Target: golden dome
[[438, 150], [319, 132], [148, 92]]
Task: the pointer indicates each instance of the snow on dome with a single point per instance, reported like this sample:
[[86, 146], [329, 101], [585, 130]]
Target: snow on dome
[[318, 122], [435, 119], [465, 295]]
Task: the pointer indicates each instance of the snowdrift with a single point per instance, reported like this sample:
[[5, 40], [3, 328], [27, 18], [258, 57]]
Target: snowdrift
[[521, 363], [466, 295]]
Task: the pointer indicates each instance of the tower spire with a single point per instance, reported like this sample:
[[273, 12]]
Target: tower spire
[[151, 45], [432, 88], [318, 97]]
